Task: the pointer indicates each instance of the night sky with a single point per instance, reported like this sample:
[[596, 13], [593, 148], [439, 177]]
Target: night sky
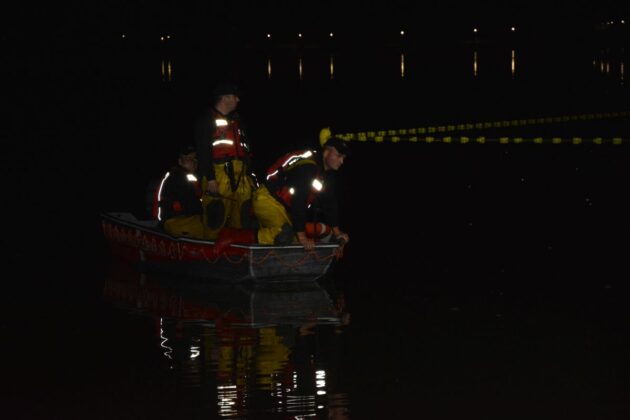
[[248, 19]]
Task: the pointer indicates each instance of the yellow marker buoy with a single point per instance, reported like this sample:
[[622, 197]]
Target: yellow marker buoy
[[324, 135]]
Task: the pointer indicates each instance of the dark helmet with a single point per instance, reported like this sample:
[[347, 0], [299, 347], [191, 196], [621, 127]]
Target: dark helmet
[[187, 149], [225, 88], [340, 145]]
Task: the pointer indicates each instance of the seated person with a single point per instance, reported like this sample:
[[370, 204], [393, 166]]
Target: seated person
[[179, 197]]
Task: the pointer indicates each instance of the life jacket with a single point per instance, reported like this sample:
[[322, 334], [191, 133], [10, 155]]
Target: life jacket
[[158, 209], [276, 176], [228, 141], [318, 231]]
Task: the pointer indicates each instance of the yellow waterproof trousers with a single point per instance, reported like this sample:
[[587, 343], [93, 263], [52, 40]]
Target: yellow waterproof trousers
[[230, 208], [189, 226], [271, 215]]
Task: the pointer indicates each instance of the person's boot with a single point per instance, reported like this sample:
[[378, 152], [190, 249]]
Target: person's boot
[[286, 235], [229, 236]]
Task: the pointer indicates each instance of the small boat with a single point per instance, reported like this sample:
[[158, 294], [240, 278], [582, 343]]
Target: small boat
[[145, 244]]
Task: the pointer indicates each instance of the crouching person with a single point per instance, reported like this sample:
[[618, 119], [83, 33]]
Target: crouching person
[[292, 185]]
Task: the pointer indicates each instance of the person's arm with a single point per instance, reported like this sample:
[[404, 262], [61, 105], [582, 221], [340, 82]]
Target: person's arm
[[328, 204], [301, 178]]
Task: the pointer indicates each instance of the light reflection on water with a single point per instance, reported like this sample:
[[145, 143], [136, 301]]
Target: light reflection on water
[[605, 62], [167, 70], [440, 83], [254, 348], [610, 64]]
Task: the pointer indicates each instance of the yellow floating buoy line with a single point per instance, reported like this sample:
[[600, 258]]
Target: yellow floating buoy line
[[425, 133], [498, 140]]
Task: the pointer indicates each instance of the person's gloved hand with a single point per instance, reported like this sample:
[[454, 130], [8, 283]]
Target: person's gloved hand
[[307, 243], [212, 187], [343, 239]]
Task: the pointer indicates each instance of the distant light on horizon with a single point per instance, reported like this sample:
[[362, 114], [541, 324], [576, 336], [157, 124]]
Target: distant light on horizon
[[402, 33], [513, 29], [300, 35], [268, 36], [475, 30], [331, 35], [124, 35]]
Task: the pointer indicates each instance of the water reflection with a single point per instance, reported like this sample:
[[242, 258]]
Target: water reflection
[[611, 64], [300, 71], [300, 67], [332, 66], [252, 348], [167, 70], [402, 65], [604, 62]]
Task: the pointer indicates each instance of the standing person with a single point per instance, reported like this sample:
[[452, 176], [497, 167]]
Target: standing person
[[178, 197], [293, 183], [224, 164]]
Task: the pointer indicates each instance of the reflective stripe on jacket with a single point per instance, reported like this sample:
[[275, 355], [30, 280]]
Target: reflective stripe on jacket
[[228, 141]]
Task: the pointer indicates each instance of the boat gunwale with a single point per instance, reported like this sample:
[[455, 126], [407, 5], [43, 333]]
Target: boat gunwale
[[138, 224]]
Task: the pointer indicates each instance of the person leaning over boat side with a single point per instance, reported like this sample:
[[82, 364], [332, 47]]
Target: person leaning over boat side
[[179, 197], [224, 164], [293, 183]]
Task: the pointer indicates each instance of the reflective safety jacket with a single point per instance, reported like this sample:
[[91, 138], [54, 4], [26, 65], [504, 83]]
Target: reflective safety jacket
[[177, 194], [219, 138], [277, 176], [228, 141], [298, 180]]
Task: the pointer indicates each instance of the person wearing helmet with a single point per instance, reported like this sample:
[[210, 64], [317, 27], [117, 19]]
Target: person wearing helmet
[[177, 198], [224, 163], [293, 183]]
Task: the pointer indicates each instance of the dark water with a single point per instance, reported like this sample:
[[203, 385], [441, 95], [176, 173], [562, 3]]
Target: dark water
[[482, 280]]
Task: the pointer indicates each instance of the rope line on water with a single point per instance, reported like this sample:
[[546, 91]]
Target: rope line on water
[[420, 132], [501, 140]]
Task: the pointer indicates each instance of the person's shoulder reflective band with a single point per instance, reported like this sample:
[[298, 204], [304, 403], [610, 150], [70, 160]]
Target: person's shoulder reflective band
[[288, 162]]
